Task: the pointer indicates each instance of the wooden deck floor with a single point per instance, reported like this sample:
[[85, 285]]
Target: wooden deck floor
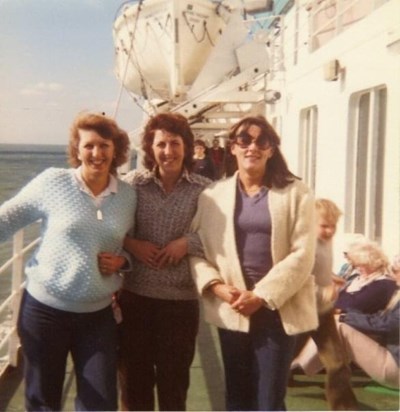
[[207, 387]]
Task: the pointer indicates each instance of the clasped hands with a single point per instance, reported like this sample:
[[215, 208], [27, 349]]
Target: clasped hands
[[244, 302], [154, 256]]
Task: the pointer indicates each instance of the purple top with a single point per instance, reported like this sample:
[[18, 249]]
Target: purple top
[[253, 235]]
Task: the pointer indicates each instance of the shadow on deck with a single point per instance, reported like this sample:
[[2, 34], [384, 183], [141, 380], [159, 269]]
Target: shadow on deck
[[207, 386]]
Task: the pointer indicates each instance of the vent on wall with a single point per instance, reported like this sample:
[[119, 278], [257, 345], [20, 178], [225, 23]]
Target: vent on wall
[[331, 70]]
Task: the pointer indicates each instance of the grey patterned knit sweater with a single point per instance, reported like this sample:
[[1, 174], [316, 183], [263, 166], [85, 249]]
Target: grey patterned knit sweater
[[160, 218]]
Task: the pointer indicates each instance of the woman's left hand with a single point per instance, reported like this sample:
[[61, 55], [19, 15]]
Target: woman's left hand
[[110, 263], [247, 303], [173, 253]]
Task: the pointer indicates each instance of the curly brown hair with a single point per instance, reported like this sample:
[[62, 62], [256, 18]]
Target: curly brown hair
[[104, 126], [173, 123], [277, 173]]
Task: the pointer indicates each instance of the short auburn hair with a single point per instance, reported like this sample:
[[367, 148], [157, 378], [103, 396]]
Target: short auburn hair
[[105, 127]]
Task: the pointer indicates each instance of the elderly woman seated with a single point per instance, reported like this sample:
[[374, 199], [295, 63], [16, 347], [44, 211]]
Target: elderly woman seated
[[368, 318]]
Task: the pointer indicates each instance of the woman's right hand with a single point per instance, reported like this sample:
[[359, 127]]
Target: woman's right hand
[[143, 250], [225, 292]]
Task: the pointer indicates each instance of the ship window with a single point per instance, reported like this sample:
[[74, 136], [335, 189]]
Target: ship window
[[361, 164], [308, 144], [366, 160], [329, 18]]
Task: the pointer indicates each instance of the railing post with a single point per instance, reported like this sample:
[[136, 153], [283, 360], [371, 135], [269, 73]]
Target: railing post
[[17, 270]]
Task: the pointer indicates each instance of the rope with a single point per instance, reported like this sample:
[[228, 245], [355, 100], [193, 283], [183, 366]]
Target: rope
[[127, 61], [144, 83], [191, 27]]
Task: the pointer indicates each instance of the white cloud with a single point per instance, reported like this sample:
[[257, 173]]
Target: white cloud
[[41, 89]]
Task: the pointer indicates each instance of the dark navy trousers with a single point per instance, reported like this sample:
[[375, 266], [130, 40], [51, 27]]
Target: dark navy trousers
[[48, 335], [257, 364], [157, 347]]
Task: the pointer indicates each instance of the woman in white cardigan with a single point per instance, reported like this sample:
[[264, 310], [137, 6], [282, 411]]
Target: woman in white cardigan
[[258, 232]]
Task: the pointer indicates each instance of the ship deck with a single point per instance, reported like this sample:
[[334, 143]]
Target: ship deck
[[207, 387]]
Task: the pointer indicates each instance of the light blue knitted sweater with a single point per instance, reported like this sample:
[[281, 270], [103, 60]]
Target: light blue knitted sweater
[[63, 272]]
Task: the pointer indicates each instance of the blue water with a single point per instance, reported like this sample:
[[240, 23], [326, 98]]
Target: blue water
[[21, 163], [18, 165]]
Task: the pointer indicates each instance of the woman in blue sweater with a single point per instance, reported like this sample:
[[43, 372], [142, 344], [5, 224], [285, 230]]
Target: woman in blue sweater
[[66, 308]]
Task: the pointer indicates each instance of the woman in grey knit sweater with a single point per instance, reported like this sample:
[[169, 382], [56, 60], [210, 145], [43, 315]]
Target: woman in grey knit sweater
[[158, 301]]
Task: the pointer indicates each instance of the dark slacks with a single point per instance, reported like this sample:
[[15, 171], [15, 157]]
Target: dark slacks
[[48, 335], [157, 346], [257, 364]]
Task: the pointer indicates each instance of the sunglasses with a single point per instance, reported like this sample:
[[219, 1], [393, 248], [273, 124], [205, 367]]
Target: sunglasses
[[244, 140]]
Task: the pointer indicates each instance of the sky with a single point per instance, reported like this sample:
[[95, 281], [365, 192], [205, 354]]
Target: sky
[[56, 60]]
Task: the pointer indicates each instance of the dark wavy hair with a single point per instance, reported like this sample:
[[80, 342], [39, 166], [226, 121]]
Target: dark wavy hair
[[277, 173], [173, 123], [108, 129]]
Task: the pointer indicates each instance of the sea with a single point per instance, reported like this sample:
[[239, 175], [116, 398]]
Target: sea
[[19, 164]]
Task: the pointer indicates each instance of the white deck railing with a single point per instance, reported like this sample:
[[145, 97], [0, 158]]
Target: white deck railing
[[9, 308]]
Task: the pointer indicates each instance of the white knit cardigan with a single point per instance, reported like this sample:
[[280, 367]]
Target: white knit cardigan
[[288, 286]]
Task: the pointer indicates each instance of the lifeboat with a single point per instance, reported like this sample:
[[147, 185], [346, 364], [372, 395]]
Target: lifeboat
[[171, 50]]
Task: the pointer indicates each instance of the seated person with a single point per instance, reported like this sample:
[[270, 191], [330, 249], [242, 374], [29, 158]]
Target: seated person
[[373, 287], [347, 271], [371, 341]]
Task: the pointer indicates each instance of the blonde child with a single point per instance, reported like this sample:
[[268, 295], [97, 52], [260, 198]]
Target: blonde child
[[327, 217], [337, 386]]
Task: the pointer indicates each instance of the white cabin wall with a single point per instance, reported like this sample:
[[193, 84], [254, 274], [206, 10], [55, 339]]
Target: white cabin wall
[[368, 54]]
